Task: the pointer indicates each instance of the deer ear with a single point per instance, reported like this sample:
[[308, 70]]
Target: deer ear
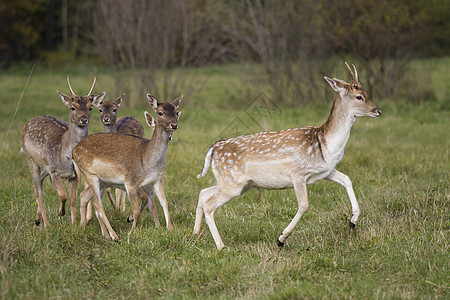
[[177, 101], [65, 99], [149, 119], [119, 100], [152, 101], [97, 101], [336, 84]]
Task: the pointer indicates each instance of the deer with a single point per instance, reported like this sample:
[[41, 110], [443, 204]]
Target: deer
[[48, 142], [128, 162], [292, 158], [124, 125]]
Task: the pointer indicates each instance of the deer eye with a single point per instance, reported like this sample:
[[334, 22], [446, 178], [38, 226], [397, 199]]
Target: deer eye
[[100, 110], [72, 108], [114, 110], [359, 97], [160, 113]]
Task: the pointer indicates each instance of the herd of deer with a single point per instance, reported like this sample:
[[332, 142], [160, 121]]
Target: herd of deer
[[124, 159]]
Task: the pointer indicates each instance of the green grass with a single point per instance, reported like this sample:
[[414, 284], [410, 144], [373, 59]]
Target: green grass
[[399, 165]]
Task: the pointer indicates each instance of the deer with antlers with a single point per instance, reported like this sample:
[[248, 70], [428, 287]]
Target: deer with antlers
[[128, 162], [290, 158], [48, 142]]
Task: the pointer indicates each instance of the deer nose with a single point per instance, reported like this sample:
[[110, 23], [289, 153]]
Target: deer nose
[[83, 120], [376, 111], [174, 126], [106, 120]]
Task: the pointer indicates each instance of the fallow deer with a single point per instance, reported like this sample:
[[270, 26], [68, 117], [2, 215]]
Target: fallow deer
[[290, 158], [48, 143], [128, 162], [124, 125]]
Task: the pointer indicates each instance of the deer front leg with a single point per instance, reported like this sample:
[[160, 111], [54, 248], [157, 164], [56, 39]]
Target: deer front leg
[[344, 180], [302, 198], [159, 191], [56, 180]]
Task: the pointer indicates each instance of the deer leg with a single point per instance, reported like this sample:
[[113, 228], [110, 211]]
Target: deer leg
[[302, 198], [205, 194], [73, 199], [117, 204], [110, 197], [148, 199], [159, 191], [85, 200], [151, 205], [132, 194], [101, 215], [219, 198], [38, 179], [141, 194], [56, 180], [124, 199], [345, 181]]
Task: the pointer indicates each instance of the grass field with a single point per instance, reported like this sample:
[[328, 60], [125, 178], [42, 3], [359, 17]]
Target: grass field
[[399, 165]]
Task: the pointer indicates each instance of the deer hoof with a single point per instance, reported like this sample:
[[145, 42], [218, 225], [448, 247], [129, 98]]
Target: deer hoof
[[129, 220], [351, 224], [61, 213], [37, 222], [280, 243]]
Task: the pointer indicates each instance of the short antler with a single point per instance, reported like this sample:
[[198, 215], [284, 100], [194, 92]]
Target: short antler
[[354, 75], [70, 87], [92, 88]]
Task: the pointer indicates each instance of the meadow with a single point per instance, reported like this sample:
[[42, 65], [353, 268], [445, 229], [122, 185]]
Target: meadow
[[399, 165]]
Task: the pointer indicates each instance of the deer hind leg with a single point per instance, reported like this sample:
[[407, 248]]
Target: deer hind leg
[[123, 196], [73, 199], [151, 205], [110, 197], [85, 202], [345, 181], [302, 198], [218, 198], [57, 182], [159, 191], [205, 194], [98, 206], [148, 200], [132, 194], [38, 179]]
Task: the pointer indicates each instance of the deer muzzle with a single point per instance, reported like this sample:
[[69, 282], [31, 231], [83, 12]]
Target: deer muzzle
[[83, 121]]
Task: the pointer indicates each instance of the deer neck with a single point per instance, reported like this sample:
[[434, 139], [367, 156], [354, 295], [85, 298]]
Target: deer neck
[[71, 138], [111, 128], [157, 146], [336, 129]]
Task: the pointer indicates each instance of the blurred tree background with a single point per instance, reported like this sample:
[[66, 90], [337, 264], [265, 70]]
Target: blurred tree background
[[293, 41]]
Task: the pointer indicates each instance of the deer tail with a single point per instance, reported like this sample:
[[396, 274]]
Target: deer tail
[[207, 162]]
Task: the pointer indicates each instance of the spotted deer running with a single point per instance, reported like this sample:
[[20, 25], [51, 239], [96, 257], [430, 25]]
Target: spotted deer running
[[290, 158]]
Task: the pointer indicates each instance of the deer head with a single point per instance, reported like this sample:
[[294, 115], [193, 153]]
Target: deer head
[[353, 95], [108, 110], [80, 107], [167, 113]]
